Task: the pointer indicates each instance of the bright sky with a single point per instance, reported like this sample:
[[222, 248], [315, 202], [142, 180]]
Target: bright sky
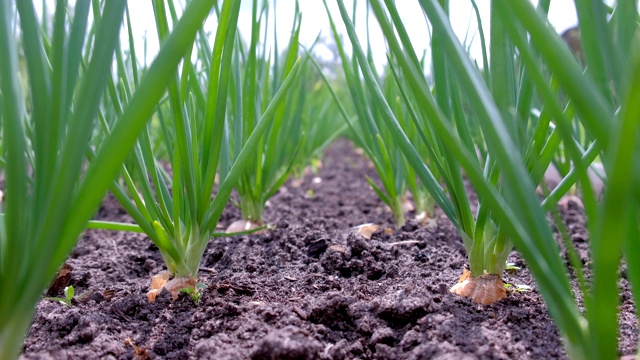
[[315, 21]]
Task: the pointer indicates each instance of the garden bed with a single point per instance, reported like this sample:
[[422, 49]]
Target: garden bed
[[310, 289]]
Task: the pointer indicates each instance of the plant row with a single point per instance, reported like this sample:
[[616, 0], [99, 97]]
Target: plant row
[[215, 111]]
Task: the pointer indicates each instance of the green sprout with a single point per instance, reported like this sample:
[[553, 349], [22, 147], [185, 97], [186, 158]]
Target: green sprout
[[310, 194], [517, 287], [512, 266], [195, 293], [69, 293]]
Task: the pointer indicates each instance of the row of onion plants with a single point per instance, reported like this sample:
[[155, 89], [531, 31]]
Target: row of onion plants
[[367, 131], [51, 191], [224, 125], [204, 145], [298, 131], [531, 103]]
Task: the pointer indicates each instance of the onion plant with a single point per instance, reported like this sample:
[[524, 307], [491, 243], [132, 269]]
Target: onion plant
[[319, 122], [276, 153], [456, 205], [520, 145], [463, 102], [604, 99], [51, 192], [368, 131], [177, 211], [299, 131]]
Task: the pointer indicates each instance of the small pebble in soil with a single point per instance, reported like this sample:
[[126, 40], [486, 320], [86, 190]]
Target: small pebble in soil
[[317, 247], [149, 265], [422, 256], [443, 288]]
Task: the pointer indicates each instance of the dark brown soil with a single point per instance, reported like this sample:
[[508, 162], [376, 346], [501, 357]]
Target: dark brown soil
[[291, 294]]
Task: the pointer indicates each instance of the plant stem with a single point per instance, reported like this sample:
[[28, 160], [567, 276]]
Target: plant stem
[[251, 210], [13, 331], [197, 243], [398, 211]]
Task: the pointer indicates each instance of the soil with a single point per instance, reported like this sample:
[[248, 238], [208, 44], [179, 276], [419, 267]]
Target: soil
[[310, 289]]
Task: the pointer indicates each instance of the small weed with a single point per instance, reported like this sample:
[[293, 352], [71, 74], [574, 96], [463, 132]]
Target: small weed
[[512, 267], [69, 292], [195, 293], [517, 287]]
